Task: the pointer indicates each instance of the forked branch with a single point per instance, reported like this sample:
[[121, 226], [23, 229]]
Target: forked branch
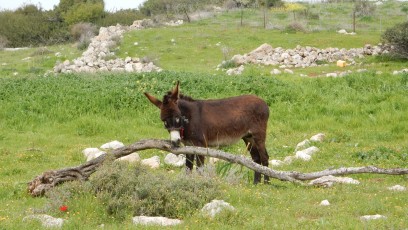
[[49, 179]]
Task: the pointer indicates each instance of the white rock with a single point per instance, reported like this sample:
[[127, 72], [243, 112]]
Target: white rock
[[397, 188], [342, 31], [175, 160], [133, 157], [216, 206], [328, 181], [311, 150], [318, 137], [155, 220], [213, 160], [289, 71], [276, 71], [325, 203], [46, 220], [331, 75], [92, 153], [372, 217], [302, 145], [303, 156], [276, 163], [153, 162], [112, 145], [129, 67]]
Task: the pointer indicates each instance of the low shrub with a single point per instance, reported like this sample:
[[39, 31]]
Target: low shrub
[[295, 27], [83, 29], [136, 190]]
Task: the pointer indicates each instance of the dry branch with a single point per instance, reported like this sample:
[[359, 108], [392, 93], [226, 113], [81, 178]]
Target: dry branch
[[47, 180]]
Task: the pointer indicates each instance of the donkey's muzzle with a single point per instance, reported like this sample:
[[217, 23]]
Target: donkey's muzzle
[[175, 138]]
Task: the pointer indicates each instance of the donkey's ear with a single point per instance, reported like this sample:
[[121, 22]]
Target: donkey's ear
[[176, 91], [154, 100]]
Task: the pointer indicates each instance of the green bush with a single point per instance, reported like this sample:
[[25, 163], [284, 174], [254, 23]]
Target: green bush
[[397, 37], [136, 190], [29, 26], [122, 17]]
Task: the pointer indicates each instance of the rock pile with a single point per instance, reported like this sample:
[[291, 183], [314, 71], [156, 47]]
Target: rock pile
[[98, 56], [304, 56]]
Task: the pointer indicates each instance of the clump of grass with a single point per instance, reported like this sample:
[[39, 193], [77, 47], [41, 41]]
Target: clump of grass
[[136, 190], [295, 27], [382, 154], [41, 51]]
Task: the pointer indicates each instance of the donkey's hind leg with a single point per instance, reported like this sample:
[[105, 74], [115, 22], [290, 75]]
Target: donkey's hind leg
[[263, 155]]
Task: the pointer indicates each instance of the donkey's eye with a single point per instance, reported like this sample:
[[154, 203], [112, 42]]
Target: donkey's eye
[[165, 123], [177, 120]]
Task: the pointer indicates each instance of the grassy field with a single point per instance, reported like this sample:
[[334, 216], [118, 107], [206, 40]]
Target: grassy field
[[364, 117], [45, 123]]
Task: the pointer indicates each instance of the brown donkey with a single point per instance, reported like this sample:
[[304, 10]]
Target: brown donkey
[[213, 123]]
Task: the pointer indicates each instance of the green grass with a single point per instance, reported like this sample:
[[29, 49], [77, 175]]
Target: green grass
[[46, 122]]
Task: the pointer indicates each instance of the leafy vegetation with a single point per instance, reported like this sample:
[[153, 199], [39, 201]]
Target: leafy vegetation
[[397, 36]]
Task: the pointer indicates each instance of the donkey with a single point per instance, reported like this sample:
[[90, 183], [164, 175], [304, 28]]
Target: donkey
[[213, 123]]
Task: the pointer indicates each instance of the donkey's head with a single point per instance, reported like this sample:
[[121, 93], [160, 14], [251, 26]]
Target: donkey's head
[[170, 114]]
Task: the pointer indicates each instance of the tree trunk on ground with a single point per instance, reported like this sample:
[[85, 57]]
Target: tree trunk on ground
[[49, 179]]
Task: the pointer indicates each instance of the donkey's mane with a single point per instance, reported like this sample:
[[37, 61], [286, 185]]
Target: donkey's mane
[[181, 96]]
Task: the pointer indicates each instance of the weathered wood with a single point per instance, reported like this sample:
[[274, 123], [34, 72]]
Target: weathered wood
[[49, 179]]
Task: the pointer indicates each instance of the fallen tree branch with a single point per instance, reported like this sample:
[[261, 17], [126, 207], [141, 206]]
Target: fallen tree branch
[[49, 179]]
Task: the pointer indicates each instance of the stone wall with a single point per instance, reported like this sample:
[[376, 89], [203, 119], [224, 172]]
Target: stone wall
[[98, 56], [304, 56]]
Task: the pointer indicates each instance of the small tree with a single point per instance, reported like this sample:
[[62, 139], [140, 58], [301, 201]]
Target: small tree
[[397, 36]]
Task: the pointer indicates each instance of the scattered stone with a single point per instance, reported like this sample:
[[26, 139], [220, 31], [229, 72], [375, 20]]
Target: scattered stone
[[92, 153], [372, 217], [303, 156], [306, 154], [112, 145], [174, 23], [175, 160], [275, 72], [276, 163], [152, 162], [303, 145], [213, 160], [156, 220], [236, 71], [46, 220], [397, 188], [133, 157], [396, 72], [328, 181], [318, 137], [289, 71], [324, 203], [216, 206], [331, 75]]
